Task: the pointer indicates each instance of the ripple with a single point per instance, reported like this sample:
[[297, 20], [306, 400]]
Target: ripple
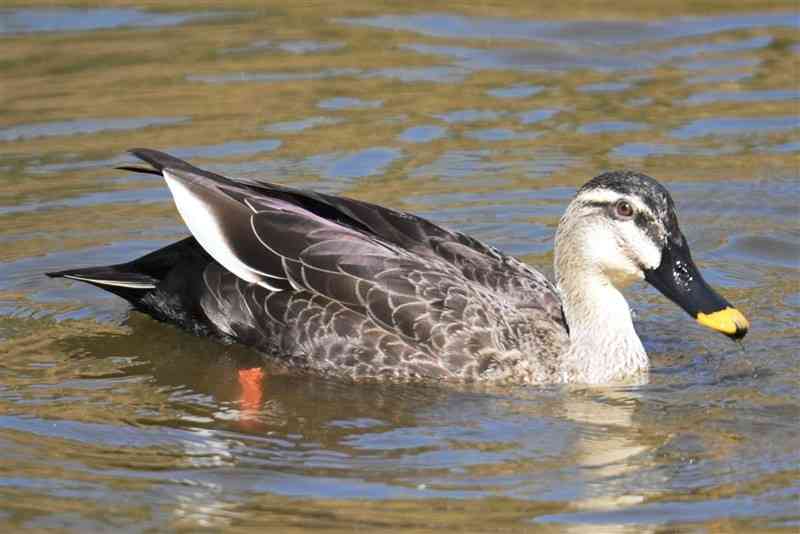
[[309, 46], [764, 249], [534, 59], [754, 43], [76, 164], [294, 47], [469, 115], [342, 102], [721, 63], [460, 164], [112, 435], [112, 197], [770, 95], [232, 148], [492, 134], [645, 150], [537, 115], [28, 273], [248, 77], [440, 74], [723, 77], [16, 21], [605, 87], [361, 164], [301, 125], [83, 126], [664, 513], [612, 127], [515, 91], [422, 134], [596, 32], [736, 126], [561, 46], [639, 101], [791, 146]]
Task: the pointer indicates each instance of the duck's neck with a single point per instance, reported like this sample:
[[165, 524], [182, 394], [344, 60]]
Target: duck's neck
[[604, 346]]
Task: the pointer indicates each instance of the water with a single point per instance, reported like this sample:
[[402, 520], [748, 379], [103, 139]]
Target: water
[[483, 119]]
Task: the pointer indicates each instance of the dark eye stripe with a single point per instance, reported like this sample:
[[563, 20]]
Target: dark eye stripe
[[596, 204], [642, 219]]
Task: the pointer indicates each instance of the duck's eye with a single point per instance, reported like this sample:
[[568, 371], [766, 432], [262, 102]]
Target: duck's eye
[[623, 209]]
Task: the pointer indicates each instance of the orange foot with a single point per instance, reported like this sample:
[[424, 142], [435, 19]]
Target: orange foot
[[251, 382]]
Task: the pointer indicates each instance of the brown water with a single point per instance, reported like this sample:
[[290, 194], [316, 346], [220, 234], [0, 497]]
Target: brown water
[[484, 118]]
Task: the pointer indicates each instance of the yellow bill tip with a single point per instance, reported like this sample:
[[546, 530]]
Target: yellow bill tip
[[729, 321]]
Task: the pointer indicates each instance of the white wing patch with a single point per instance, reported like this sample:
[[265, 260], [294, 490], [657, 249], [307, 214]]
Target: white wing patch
[[203, 225]]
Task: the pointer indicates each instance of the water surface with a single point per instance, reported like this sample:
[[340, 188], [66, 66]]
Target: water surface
[[484, 118]]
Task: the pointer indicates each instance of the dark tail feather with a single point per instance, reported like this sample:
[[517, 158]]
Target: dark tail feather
[[133, 280], [131, 286], [135, 168], [161, 160]]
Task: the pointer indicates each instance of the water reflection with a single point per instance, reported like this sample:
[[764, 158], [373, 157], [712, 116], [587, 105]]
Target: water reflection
[[605, 87], [735, 126], [612, 452], [325, 437], [301, 125], [294, 47], [611, 127], [84, 126], [249, 77], [613, 33], [231, 148], [422, 134], [342, 102], [515, 91], [742, 96], [15, 21]]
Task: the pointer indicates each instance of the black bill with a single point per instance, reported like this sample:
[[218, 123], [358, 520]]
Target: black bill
[[679, 280]]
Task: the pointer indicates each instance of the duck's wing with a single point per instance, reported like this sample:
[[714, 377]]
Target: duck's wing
[[473, 259], [285, 246], [395, 229]]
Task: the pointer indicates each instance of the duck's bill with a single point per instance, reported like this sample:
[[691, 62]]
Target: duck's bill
[[679, 280]]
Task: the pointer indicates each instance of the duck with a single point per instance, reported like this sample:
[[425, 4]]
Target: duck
[[343, 287]]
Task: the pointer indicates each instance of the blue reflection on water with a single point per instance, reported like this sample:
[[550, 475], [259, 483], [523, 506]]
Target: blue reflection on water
[[14, 21]]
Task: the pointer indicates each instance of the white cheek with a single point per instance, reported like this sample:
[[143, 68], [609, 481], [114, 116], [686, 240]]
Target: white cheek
[[652, 258], [603, 250], [621, 259], [645, 251]]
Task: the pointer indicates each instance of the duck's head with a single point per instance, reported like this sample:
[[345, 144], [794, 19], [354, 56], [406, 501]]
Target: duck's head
[[625, 229]]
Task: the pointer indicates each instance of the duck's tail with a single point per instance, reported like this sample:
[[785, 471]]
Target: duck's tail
[[135, 279], [118, 279]]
